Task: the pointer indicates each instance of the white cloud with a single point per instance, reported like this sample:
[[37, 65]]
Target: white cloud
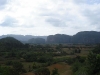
[[9, 21], [2, 4], [44, 17]]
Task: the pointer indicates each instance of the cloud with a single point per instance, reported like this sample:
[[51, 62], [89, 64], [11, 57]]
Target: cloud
[[56, 22], [93, 14], [8, 22], [90, 2], [3, 3], [44, 17]]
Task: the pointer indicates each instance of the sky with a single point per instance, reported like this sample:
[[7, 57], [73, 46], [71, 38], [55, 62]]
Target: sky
[[49, 17]]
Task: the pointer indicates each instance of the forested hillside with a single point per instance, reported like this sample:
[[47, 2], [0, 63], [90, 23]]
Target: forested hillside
[[85, 37], [17, 58], [9, 43]]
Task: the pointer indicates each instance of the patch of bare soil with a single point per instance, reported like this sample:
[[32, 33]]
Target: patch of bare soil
[[29, 73]]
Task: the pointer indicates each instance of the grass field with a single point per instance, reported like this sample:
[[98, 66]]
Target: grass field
[[63, 69]]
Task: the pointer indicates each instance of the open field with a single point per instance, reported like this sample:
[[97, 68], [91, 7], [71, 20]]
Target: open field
[[58, 55], [63, 69]]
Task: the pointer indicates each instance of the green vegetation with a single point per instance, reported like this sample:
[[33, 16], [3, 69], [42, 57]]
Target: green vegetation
[[17, 58], [55, 72], [91, 65], [42, 71]]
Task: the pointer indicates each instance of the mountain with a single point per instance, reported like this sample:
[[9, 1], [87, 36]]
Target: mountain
[[10, 43], [84, 37], [59, 38], [36, 41], [23, 38]]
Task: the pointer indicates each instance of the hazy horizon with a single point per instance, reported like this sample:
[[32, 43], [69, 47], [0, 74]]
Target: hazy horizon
[[48, 17], [45, 35]]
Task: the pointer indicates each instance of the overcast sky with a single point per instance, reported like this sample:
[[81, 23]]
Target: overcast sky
[[46, 17]]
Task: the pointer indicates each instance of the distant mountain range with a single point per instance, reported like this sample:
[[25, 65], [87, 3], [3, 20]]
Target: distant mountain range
[[84, 37], [23, 38]]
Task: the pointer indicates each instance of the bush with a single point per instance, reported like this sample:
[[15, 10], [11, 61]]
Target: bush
[[75, 67], [18, 68], [5, 71], [9, 63], [55, 72], [70, 61], [93, 64], [80, 59], [42, 71], [81, 71]]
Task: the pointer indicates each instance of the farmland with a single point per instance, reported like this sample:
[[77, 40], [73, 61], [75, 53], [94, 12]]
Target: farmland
[[17, 58], [51, 56], [61, 55]]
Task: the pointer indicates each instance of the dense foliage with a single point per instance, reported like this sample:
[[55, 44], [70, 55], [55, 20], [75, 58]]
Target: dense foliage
[[91, 66], [86, 37], [13, 54]]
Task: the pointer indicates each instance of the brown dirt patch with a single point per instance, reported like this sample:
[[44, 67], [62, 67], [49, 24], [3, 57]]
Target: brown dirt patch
[[29, 73], [63, 68]]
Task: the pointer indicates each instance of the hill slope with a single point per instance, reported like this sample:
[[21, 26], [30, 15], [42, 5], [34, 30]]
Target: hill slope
[[10, 42], [85, 37]]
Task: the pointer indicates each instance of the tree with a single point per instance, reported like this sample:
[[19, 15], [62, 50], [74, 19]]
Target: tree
[[18, 68], [75, 67], [55, 72], [96, 49], [5, 71], [42, 71], [30, 69], [81, 71], [93, 64], [35, 66]]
